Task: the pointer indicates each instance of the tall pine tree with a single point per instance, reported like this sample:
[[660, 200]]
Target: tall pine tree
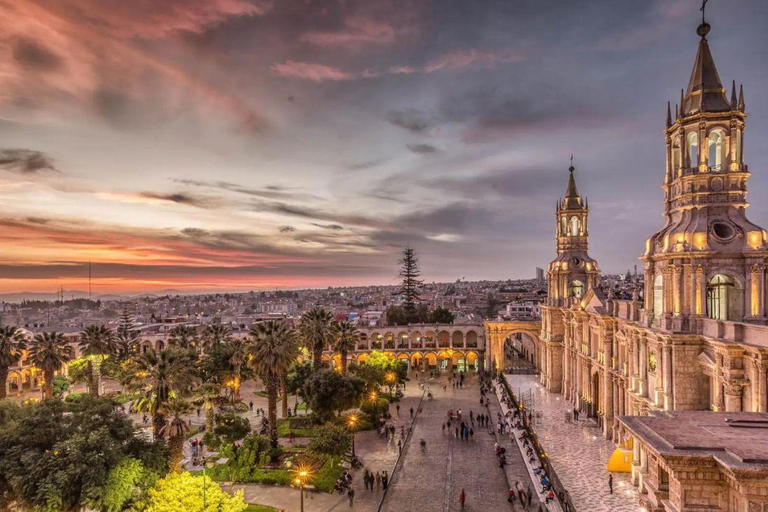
[[410, 283]]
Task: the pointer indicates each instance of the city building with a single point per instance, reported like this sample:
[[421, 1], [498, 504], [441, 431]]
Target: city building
[[690, 357]]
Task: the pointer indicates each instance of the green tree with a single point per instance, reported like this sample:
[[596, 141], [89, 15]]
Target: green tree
[[175, 430], [315, 330], [160, 374], [126, 336], [49, 352], [216, 335], [410, 284], [238, 350], [97, 342], [331, 440], [345, 336], [57, 456], [183, 336], [442, 316], [12, 345], [183, 492], [123, 489], [231, 428], [330, 393], [298, 376], [274, 351]]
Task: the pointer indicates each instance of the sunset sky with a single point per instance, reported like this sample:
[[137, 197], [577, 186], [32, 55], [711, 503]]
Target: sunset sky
[[206, 145]]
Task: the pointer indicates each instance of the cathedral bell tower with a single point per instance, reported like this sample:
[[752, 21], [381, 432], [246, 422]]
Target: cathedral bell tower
[[573, 272], [708, 261]]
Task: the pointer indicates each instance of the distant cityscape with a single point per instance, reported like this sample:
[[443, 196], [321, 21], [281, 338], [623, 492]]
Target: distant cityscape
[[471, 302]]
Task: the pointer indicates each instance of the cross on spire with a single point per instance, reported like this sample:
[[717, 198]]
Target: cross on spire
[[703, 9]]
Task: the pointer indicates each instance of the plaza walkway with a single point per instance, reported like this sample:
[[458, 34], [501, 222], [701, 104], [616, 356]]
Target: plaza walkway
[[431, 480], [577, 451]]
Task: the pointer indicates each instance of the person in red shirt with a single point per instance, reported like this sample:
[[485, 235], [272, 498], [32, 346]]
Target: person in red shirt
[[462, 498]]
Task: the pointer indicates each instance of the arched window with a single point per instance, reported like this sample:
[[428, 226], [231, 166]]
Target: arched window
[[716, 149], [577, 289], [563, 226], [693, 150], [723, 298], [574, 226], [737, 156], [677, 157], [658, 296]]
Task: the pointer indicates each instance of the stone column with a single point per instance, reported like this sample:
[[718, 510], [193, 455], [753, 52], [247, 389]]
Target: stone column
[[667, 366], [701, 291], [761, 384], [733, 391], [719, 398], [648, 283], [607, 405], [678, 295]]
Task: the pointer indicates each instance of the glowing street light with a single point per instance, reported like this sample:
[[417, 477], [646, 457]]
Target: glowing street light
[[302, 475], [352, 422]]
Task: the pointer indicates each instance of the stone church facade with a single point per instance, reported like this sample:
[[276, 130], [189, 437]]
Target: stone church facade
[[697, 340]]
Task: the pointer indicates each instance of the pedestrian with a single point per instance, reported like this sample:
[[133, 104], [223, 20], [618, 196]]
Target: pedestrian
[[472, 433], [457, 432], [610, 483], [250, 406], [462, 498], [528, 496], [351, 496], [411, 412], [198, 413], [398, 409], [378, 480], [399, 445], [511, 495], [384, 480]]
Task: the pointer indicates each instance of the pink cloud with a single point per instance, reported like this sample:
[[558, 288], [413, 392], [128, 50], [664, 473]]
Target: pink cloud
[[462, 59], [310, 71], [51, 55], [357, 30]]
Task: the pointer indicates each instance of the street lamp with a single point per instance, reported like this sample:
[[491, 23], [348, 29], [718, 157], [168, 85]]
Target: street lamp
[[390, 378], [352, 424], [211, 463], [302, 475], [374, 396]]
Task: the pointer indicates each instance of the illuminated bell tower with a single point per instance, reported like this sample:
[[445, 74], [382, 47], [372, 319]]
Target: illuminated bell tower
[[573, 272], [708, 261]]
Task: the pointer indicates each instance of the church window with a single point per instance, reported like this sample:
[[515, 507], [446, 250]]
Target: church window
[[723, 300], [676, 157], [577, 289], [563, 226], [693, 150], [574, 226], [658, 296], [716, 149]]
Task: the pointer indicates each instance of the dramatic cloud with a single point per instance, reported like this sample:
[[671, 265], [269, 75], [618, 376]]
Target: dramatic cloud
[[422, 149], [410, 119], [310, 71], [356, 30], [26, 161]]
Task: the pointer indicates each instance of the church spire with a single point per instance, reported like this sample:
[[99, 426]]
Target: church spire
[[572, 199], [705, 90]]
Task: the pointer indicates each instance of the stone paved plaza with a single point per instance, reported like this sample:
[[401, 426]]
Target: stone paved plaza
[[431, 481], [577, 451]]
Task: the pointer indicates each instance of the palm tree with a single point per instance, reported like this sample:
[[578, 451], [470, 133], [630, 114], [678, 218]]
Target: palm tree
[[166, 371], [315, 329], [216, 335], [12, 343], [239, 351], [97, 342], [183, 336], [49, 352], [175, 431], [345, 336], [274, 351], [209, 392]]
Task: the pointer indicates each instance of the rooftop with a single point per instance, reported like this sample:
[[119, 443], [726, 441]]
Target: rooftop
[[738, 440]]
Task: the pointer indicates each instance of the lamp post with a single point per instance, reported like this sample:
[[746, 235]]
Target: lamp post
[[390, 378], [352, 424], [302, 475], [374, 402]]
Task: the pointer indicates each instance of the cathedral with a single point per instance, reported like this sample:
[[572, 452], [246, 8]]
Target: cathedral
[[695, 338]]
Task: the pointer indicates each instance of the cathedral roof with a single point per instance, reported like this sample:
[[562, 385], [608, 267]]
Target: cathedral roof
[[572, 199], [705, 90]]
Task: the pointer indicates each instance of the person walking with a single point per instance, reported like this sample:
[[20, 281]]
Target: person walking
[[378, 480], [384, 480], [351, 496], [610, 483], [462, 498], [411, 412], [398, 409]]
